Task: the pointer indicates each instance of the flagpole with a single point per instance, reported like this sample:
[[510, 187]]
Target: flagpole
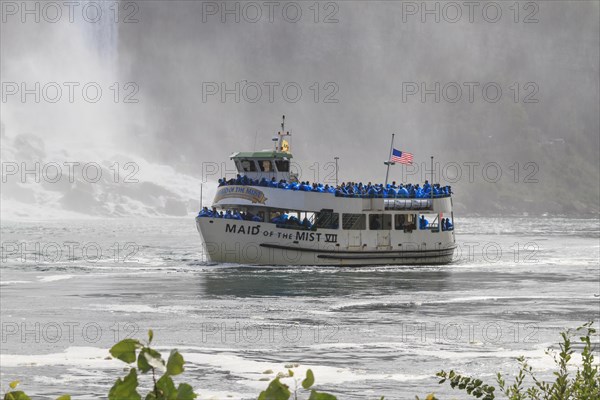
[[389, 162], [431, 178]]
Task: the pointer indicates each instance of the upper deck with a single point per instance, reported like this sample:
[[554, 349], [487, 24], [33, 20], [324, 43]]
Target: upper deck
[[234, 196]]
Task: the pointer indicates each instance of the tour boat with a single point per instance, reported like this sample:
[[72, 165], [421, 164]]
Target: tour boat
[[254, 223]]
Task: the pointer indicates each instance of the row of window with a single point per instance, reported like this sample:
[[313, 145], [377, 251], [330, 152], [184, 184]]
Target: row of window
[[330, 220], [263, 165]]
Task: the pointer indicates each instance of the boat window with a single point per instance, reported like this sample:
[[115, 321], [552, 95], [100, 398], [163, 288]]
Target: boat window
[[248, 166], [282, 165], [354, 221], [265, 165], [404, 222], [327, 220], [380, 222]]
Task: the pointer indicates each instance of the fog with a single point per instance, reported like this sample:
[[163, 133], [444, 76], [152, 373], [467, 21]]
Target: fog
[[370, 60]]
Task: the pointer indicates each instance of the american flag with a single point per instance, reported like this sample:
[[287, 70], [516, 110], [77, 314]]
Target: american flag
[[401, 157]]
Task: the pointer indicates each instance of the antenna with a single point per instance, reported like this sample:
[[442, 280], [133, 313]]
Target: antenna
[[279, 144]]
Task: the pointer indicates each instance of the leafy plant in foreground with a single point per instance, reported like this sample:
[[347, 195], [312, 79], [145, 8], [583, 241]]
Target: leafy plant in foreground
[[20, 395], [583, 385], [149, 361], [280, 391]]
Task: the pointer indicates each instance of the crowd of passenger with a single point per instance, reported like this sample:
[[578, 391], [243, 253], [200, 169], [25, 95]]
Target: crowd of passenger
[[445, 224], [282, 219], [285, 220], [291, 221], [349, 189], [229, 214]]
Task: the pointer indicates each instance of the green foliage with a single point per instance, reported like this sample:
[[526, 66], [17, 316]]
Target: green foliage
[[429, 397], [149, 361], [280, 391], [275, 391], [583, 385], [125, 388], [20, 395], [474, 387], [309, 381]]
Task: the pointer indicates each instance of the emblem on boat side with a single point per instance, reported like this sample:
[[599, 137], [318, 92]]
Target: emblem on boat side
[[241, 192]]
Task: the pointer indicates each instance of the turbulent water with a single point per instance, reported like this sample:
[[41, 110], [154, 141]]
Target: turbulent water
[[69, 290]]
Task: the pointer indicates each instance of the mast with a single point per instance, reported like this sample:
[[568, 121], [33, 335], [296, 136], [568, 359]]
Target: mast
[[389, 162], [279, 145]]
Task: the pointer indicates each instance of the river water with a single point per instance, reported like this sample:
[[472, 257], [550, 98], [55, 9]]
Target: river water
[[70, 289]]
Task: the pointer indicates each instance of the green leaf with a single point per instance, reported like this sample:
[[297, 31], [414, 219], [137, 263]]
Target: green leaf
[[314, 395], [125, 388], [64, 397], [175, 363], [150, 336], [14, 384], [125, 350], [185, 392], [166, 387], [275, 391], [148, 359], [18, 395], [310, 379]]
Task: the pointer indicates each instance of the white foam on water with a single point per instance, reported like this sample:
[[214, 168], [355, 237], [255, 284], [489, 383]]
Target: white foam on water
[[8, 283], [54, 278], [251, 371], [93, 357], [142, 308]]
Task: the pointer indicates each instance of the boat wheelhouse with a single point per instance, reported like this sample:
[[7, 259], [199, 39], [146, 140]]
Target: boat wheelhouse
[[266, 217]]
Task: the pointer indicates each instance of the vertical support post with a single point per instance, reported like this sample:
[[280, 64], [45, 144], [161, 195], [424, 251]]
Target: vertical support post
[[336, 170], [201, 205], [431, 177], [389, 162]]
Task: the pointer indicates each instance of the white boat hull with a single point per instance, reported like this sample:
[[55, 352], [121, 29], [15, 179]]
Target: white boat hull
[[259, 243]]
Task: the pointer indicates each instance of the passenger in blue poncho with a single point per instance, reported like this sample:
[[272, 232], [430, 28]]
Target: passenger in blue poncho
[[402, 192], [306, 223], [423, 223], [418, 192], [426, 186], [449, 225]]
